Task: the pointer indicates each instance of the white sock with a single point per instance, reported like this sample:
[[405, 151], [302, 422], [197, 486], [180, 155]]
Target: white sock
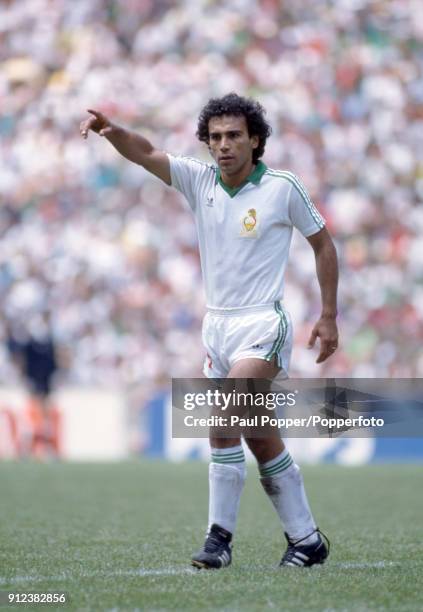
[[281, 479], [226, 480]]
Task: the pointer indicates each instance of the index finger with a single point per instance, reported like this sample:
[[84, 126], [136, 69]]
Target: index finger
[[96, 114]]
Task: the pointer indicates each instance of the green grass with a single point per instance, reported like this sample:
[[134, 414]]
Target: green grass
[[120, 537]]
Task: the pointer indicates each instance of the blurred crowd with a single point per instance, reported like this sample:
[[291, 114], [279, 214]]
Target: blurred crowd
[[103, 257]]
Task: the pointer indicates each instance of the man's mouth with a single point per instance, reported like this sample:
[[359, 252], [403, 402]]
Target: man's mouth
[[225, 158]]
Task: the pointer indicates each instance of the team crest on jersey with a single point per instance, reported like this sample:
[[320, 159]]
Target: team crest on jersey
[[249, 224]]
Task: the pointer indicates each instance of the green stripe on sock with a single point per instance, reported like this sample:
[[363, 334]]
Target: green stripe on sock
[[228, 457], [279, 469], [234, 460], [240, 452], [237, 457], [278, 465], [282, 465]]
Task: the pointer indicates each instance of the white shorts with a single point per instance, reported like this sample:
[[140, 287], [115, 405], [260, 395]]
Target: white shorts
[[260, 332]]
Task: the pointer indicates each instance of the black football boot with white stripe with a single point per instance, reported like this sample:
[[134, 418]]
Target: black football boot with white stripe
[[305, 555], [216, 552]]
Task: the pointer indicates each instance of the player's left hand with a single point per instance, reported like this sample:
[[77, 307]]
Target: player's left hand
[[327, 331]]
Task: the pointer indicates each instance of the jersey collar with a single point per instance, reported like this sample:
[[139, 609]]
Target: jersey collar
[[254, 178]]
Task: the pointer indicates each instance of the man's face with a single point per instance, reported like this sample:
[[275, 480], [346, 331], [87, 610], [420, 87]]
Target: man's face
[[230, 144]]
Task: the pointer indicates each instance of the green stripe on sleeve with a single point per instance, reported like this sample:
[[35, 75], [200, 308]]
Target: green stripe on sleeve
[[289, 176]]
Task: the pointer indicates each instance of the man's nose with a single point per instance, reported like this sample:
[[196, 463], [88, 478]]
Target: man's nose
[[224, 144]]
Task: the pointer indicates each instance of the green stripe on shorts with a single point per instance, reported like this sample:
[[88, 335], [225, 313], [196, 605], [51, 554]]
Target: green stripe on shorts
[[282, 332]]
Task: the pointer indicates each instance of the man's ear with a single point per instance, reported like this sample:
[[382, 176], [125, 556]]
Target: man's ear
[[254, 141]]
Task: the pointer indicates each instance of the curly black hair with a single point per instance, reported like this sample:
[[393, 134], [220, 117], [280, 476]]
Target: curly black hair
[[232, 104]]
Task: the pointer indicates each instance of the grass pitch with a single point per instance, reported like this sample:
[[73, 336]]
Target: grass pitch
[[119, 537]]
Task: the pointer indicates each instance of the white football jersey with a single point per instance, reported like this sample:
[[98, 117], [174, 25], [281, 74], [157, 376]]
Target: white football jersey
[[244, 234]]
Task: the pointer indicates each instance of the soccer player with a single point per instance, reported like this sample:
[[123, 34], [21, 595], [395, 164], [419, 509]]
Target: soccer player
[[245, 213]]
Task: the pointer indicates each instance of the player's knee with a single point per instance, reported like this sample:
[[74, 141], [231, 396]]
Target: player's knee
[[217, 440], [265, 449], [258, 447]]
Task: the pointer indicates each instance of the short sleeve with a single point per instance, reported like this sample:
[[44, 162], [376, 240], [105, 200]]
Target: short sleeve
[[302, 212], [187, 176]]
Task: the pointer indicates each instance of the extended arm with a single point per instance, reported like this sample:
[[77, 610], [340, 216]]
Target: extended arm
[[327, 274], [133, 146]]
